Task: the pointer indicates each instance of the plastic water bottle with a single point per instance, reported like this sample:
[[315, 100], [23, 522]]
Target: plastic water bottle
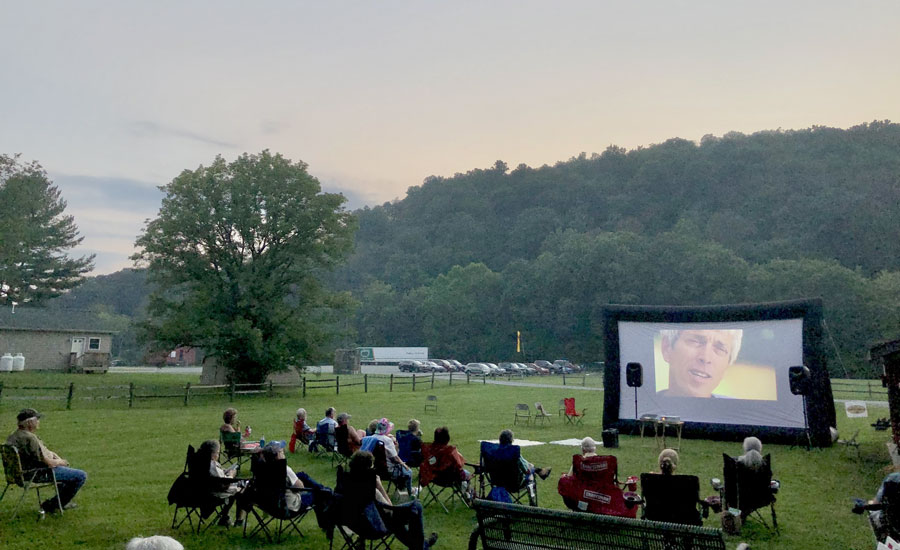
[[262, 441]]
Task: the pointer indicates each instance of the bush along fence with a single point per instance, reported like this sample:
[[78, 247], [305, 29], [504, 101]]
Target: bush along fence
[[133, 394]]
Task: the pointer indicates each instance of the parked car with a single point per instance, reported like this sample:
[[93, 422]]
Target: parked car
[[444, 364], [457, 366], [528, 369], [410, 366], [544, 365], [431, 366], [539, 370], [564, 365], [495, 369], [511, 368], [478, 368]]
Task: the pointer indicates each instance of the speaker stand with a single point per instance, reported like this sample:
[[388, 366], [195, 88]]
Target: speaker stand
[[805, 427]]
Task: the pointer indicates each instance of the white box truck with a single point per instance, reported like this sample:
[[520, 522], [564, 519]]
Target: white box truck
[[391, 356]]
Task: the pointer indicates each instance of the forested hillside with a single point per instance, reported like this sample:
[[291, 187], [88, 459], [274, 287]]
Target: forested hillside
[[461, 263]]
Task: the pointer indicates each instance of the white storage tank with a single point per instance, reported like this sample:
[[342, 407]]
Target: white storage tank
[[6, 362], [18, 362]]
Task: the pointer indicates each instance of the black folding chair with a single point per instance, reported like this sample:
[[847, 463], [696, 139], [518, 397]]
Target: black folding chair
[[267, 497], [673, 499], [197, 493], [354, 513], [749, 490]]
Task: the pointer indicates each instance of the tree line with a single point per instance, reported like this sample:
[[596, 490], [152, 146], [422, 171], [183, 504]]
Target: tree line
[[461, 263]]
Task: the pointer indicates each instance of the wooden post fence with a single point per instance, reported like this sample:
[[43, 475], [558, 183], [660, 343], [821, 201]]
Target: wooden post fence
[[187, 393], [392, 383], [451, 378], [304, 386], [231, 392], [432, 379], [337, 385], [414, 382], [131, 395], [365, 383], [69, 397]]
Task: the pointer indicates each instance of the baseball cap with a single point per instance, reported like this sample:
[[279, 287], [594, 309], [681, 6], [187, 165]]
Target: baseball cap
[[343, 416], [25, 414]]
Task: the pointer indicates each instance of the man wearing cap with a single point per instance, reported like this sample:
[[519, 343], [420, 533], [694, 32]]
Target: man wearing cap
[[400, 472], [34, 454]]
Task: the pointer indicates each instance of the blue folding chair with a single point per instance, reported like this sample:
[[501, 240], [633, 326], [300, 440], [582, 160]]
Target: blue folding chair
[[500, 478]]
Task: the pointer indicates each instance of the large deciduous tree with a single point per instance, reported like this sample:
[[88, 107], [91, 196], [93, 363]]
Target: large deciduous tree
[[35, 236], [236, 254]]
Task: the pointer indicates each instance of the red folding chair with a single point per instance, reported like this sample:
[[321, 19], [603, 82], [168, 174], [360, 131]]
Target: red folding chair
[[594, 487], [572, 415]]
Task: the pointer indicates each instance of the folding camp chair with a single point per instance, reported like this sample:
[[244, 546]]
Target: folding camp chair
[[37, 478], [342, 442], [499, 469], [522, 411], [748, 490], [198, 493], [409, 448], [440, 473], [355, 514], [385, 470], [268, 499], [673, 499], [540, 413], [593, 487], [231, 448], [431, 403], [325, 443], [886, 522], [572, 415]]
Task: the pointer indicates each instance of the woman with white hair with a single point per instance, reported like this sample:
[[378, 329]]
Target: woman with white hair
[[752, 457], [588, 448], [302, 431], [156, 542]]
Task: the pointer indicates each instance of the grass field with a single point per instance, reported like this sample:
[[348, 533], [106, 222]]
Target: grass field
[[133, 455]]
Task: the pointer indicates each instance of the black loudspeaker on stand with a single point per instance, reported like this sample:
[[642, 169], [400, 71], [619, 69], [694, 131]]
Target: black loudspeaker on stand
[[634, 377], [798, 379]]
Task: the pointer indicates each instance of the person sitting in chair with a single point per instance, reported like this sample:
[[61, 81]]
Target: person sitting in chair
[[34, 454], [668, 462], [230, 422], [274, 450], [752, 457], [354, 436], [302, 431], [588, 449], [209, 450], [442, 445], [329, 419], [400, 472], [527, 468], [406, 521]]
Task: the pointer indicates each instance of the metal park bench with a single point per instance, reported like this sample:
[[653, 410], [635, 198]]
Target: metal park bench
[[513, 527]]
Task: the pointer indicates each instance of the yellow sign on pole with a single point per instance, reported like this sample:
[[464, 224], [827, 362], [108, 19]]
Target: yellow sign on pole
[[518, 341]]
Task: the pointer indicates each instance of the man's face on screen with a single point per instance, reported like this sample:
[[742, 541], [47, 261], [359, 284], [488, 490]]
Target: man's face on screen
[[697, 361]]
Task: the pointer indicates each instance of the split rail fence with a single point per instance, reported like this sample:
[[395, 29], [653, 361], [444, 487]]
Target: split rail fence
[[132, 394]]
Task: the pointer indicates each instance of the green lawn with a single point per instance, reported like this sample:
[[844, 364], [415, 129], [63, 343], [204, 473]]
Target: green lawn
[[133, 455]]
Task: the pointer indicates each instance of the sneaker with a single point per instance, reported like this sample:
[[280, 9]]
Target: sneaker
[[543, 473], [432, 538]]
